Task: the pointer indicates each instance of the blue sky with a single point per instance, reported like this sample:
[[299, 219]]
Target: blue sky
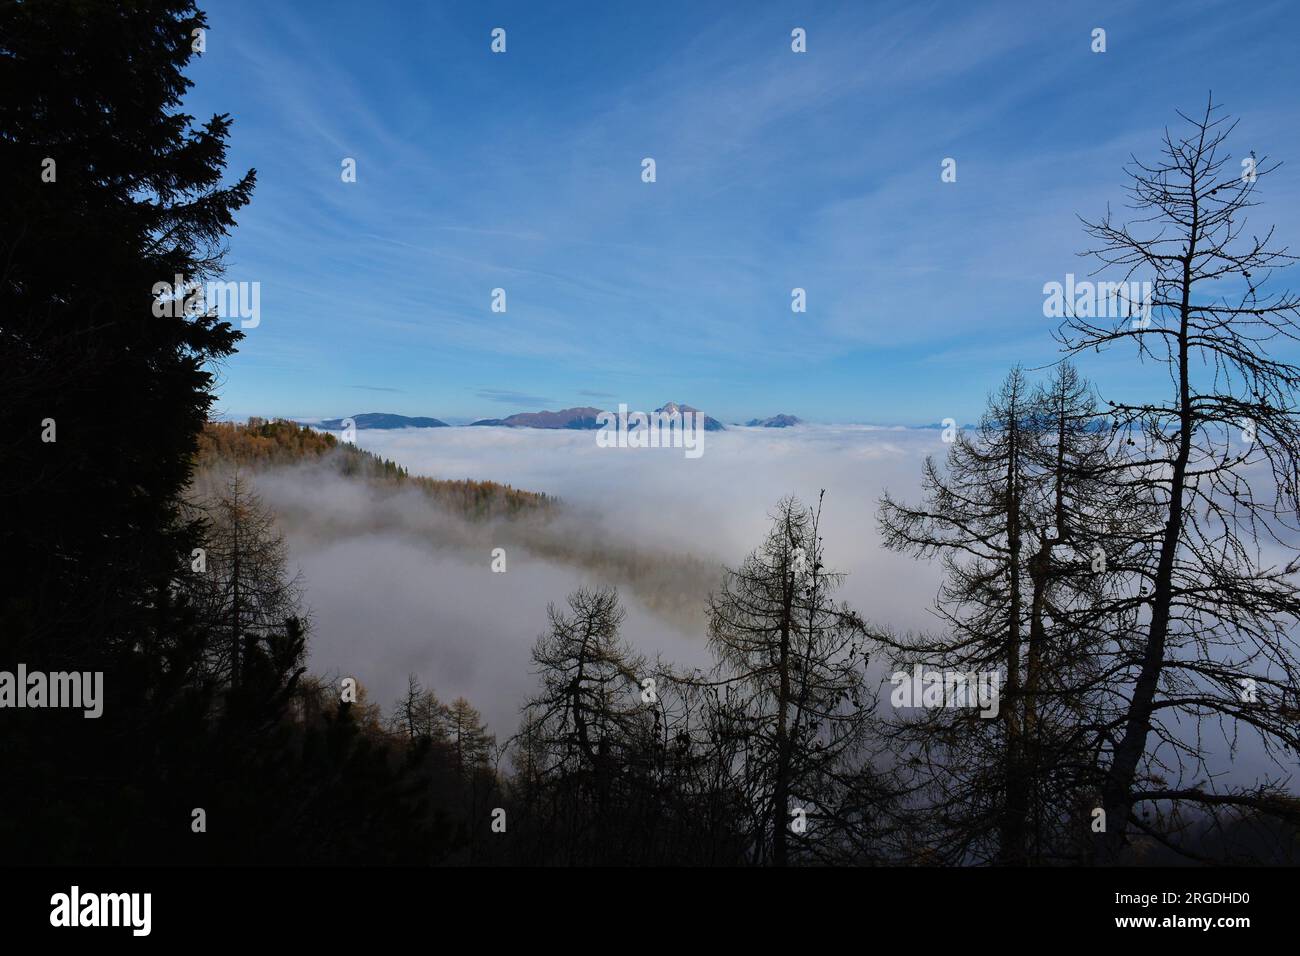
[[775, 170]]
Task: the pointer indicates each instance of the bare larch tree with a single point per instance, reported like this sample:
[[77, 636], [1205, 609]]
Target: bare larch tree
[[1218, 458]]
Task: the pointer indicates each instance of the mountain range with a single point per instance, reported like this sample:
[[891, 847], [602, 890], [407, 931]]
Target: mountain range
[[583, 417], [382, 420]]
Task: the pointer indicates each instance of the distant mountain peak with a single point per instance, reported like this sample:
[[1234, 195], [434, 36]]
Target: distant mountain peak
[[776, 421], [710, 424]]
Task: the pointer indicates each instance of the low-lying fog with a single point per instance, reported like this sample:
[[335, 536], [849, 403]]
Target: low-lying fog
[[396, 586]]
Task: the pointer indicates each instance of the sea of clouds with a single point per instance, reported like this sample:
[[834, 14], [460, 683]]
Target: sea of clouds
[[396, 586]]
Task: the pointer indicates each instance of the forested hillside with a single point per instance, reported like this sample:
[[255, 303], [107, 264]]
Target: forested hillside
[[261, 443]]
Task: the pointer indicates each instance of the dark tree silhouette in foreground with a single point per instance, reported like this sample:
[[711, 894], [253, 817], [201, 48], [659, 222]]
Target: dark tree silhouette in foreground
[[1022, 516], [131, 195], [244, 595], [792, 664], [134, 197], [96, 546], [588, 731], [1219, 458], [978, 512]]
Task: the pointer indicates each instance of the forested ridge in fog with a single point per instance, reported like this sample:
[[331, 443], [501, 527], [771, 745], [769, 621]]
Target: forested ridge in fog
[[261, 444]]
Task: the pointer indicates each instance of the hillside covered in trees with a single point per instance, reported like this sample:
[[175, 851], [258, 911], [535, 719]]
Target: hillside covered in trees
[[260, 443]]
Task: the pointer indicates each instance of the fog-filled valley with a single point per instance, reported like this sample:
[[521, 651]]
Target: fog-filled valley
[[396, 585]]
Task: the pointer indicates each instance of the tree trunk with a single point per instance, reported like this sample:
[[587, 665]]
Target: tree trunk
[[1013, 816], [781, 796], [1119, 782]]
